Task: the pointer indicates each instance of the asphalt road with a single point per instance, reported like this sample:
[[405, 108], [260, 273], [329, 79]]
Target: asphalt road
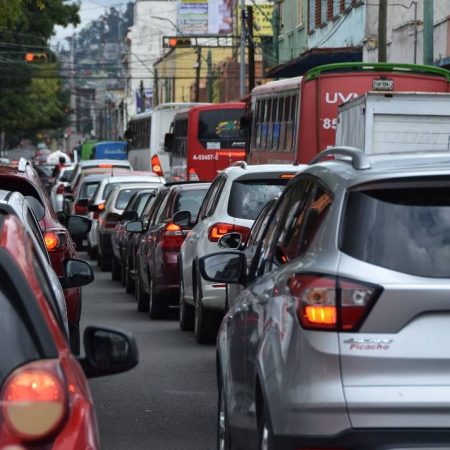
[[169, 401]]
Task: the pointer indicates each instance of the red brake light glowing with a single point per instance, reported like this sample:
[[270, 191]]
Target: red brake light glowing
[[51, 240], [326, 303], [33, 401], [216, 231], [192, 175], [105, 166], [60, 189], [156, 166]]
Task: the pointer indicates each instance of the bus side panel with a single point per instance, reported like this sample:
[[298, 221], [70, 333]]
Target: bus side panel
[[139, 159], [331, 90]]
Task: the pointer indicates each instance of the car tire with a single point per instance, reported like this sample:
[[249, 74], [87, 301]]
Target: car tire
[[265, 434], [224, 440], [158, 309], [141, 296], [74, 339], [115, 269], [129, 282], [187, 317], [206, 323]]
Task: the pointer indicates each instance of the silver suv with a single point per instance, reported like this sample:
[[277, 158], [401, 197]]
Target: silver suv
[[340, 337]]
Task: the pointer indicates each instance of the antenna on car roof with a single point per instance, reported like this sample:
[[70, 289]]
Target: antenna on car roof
[[241, 164], [358, 157]]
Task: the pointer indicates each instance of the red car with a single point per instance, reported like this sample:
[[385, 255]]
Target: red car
[[156, 272], [44, 395], [24, 179]]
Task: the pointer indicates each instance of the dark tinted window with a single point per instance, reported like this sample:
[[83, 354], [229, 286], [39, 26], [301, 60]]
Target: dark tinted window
[[403, 229], [190, 200], [124, 197], [247, 198], [220, 129], [20, 347]]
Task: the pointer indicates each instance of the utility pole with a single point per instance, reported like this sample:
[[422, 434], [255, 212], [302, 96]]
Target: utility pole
[[156, 90], [197, 74], [251, 49], [428, 32], [209, 59], [242, 59], [382, 19]]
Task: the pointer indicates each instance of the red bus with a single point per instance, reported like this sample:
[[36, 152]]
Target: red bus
[[204, 140], [294, 119]]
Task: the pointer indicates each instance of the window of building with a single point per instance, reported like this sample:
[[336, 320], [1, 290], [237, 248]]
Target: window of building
[[311, 15], [336, 7], [299, 13], [323, 11]]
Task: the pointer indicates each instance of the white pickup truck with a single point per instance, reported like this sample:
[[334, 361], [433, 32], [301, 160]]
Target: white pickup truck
[[382, 122]]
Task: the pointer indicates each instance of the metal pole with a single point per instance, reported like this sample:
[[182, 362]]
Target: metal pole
[[428, 49], [242, 59], [415, 32], [382, 18], [197, 74], [251, 50], [210, 93]]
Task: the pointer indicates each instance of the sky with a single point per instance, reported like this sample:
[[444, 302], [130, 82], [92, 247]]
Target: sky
[[89, 10]]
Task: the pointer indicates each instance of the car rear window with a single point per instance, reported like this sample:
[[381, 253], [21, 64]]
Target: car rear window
[[124, 197], [247, 198], [190, 200], [403, 229], [88, 189]]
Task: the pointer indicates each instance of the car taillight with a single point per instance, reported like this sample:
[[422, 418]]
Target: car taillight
[[156, 166], [192, 175], [216, 231], [54, 240], [60, 189], [34, 400], [327, 303], [111, 220], [80, 209], [172, 237], [101, 207]]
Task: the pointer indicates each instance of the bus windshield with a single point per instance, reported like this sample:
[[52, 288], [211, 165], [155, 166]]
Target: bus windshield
[[219, 129]]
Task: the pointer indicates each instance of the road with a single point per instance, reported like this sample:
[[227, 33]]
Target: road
[[169, 401]]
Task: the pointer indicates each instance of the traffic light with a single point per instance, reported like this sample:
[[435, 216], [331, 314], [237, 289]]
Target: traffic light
[[35, 57], [177, 42]]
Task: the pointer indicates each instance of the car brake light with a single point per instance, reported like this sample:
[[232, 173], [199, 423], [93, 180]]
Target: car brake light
[[54, 240], [156, 166], [192, 175], [172, 237], [34, 400], [216, 231], [60, 189], [326, 303], [105, 166], [101, 206], [287, 176]]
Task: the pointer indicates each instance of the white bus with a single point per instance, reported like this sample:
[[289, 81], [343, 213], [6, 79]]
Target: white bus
[[146, 133]]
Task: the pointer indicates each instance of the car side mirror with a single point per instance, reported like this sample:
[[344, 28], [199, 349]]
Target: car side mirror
[[182, 218], [135, 227], [230, 240], [62, 217], [129, 215], [83, 201], [68, 189], [63, 179], [168, 142], [77, 273], [78, 226], [37, 207], [224, 267], [108, 352]]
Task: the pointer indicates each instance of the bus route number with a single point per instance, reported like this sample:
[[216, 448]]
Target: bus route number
[[329, 123]]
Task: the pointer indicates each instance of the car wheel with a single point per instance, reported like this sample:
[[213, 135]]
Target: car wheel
[[74, 339], [157, 307], [186, 318], [115, 269], [123, 273], [265, 432], [224, 441], [129, 282], [141, 296], [205, 322]]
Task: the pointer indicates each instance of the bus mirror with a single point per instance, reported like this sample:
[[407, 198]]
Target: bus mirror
[[244, 125], [128, 135], [168, 142]]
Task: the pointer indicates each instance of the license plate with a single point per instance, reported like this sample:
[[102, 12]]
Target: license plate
[[382, 85]]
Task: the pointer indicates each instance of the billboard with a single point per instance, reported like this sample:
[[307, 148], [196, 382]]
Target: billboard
[[205, 17]]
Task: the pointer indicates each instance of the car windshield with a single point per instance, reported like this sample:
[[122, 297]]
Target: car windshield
[[400, 228], [124, 197], [247, 198], [190, 200]]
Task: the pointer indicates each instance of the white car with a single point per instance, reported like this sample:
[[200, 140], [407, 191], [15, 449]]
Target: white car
[[98, 201], [58, 189], [232, 203]]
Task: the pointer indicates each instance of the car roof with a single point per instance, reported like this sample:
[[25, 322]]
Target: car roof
[[380, 167], [241, 168], [93, 177], [131, 178], [96, 162]]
